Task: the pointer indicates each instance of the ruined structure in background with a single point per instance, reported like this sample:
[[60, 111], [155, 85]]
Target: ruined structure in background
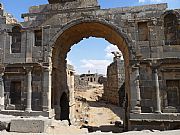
[[114, 81], [33, 58], [86, 81], [6, 17]]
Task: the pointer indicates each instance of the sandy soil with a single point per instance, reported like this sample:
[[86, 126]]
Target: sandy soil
[[95, 113]]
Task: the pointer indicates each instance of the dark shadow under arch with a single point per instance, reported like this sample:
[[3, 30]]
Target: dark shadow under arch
[[64, 104]]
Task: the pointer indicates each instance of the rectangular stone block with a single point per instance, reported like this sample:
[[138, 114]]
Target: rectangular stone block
[[28, 125]]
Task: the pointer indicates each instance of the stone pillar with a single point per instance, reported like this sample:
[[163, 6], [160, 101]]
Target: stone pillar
[[29, 36], [1, 92], [47, 88], [156, 85], [135, 94], [29, 89], [72, 97]]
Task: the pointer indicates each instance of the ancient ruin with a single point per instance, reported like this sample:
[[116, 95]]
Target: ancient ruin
[[86, 81], [113, 86], [33, 69]]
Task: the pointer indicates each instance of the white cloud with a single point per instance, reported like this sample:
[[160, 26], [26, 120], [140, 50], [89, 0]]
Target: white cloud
[[96, 65], [69, 61], [141, 1], [99, 66], [109, 49]]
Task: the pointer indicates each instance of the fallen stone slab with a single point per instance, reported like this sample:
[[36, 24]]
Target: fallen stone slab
[[29, 125]]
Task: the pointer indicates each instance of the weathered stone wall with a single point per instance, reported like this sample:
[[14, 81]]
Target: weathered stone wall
[[80, 84], [115, 79]]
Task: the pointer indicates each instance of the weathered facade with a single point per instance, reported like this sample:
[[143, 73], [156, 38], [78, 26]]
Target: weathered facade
[[91, 78], [35, 52], [80, 84]]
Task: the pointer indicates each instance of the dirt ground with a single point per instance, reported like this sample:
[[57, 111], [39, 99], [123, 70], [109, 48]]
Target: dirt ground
[[95, 113]]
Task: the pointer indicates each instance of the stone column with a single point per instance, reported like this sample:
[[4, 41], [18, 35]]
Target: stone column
[[72, 97], [29, 89], [156, 85], [47, 82], [135, 94], [1, 92]]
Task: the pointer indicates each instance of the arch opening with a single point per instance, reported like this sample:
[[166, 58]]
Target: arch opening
[[93, 59], [74, 33]]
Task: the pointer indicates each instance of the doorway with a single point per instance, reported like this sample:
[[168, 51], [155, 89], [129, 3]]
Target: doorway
[[64, 104], [15, 92]]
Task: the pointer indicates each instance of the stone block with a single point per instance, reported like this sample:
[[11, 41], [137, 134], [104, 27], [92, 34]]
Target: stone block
[[145, 51], [29, 125]]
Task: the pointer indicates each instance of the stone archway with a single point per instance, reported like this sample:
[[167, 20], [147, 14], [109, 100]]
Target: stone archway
[[74, 32]]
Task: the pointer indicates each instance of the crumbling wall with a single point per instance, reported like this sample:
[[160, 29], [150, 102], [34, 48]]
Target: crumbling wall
[[80, 84], [115, 79], [86, 81]]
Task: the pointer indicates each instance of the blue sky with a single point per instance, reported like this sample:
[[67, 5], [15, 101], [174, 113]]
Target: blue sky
[[90, 54]]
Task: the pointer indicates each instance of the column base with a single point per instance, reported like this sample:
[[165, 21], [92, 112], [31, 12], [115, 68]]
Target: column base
[[46, 109], [28, 110], [159, 112], [50, 112], [137, 110]]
